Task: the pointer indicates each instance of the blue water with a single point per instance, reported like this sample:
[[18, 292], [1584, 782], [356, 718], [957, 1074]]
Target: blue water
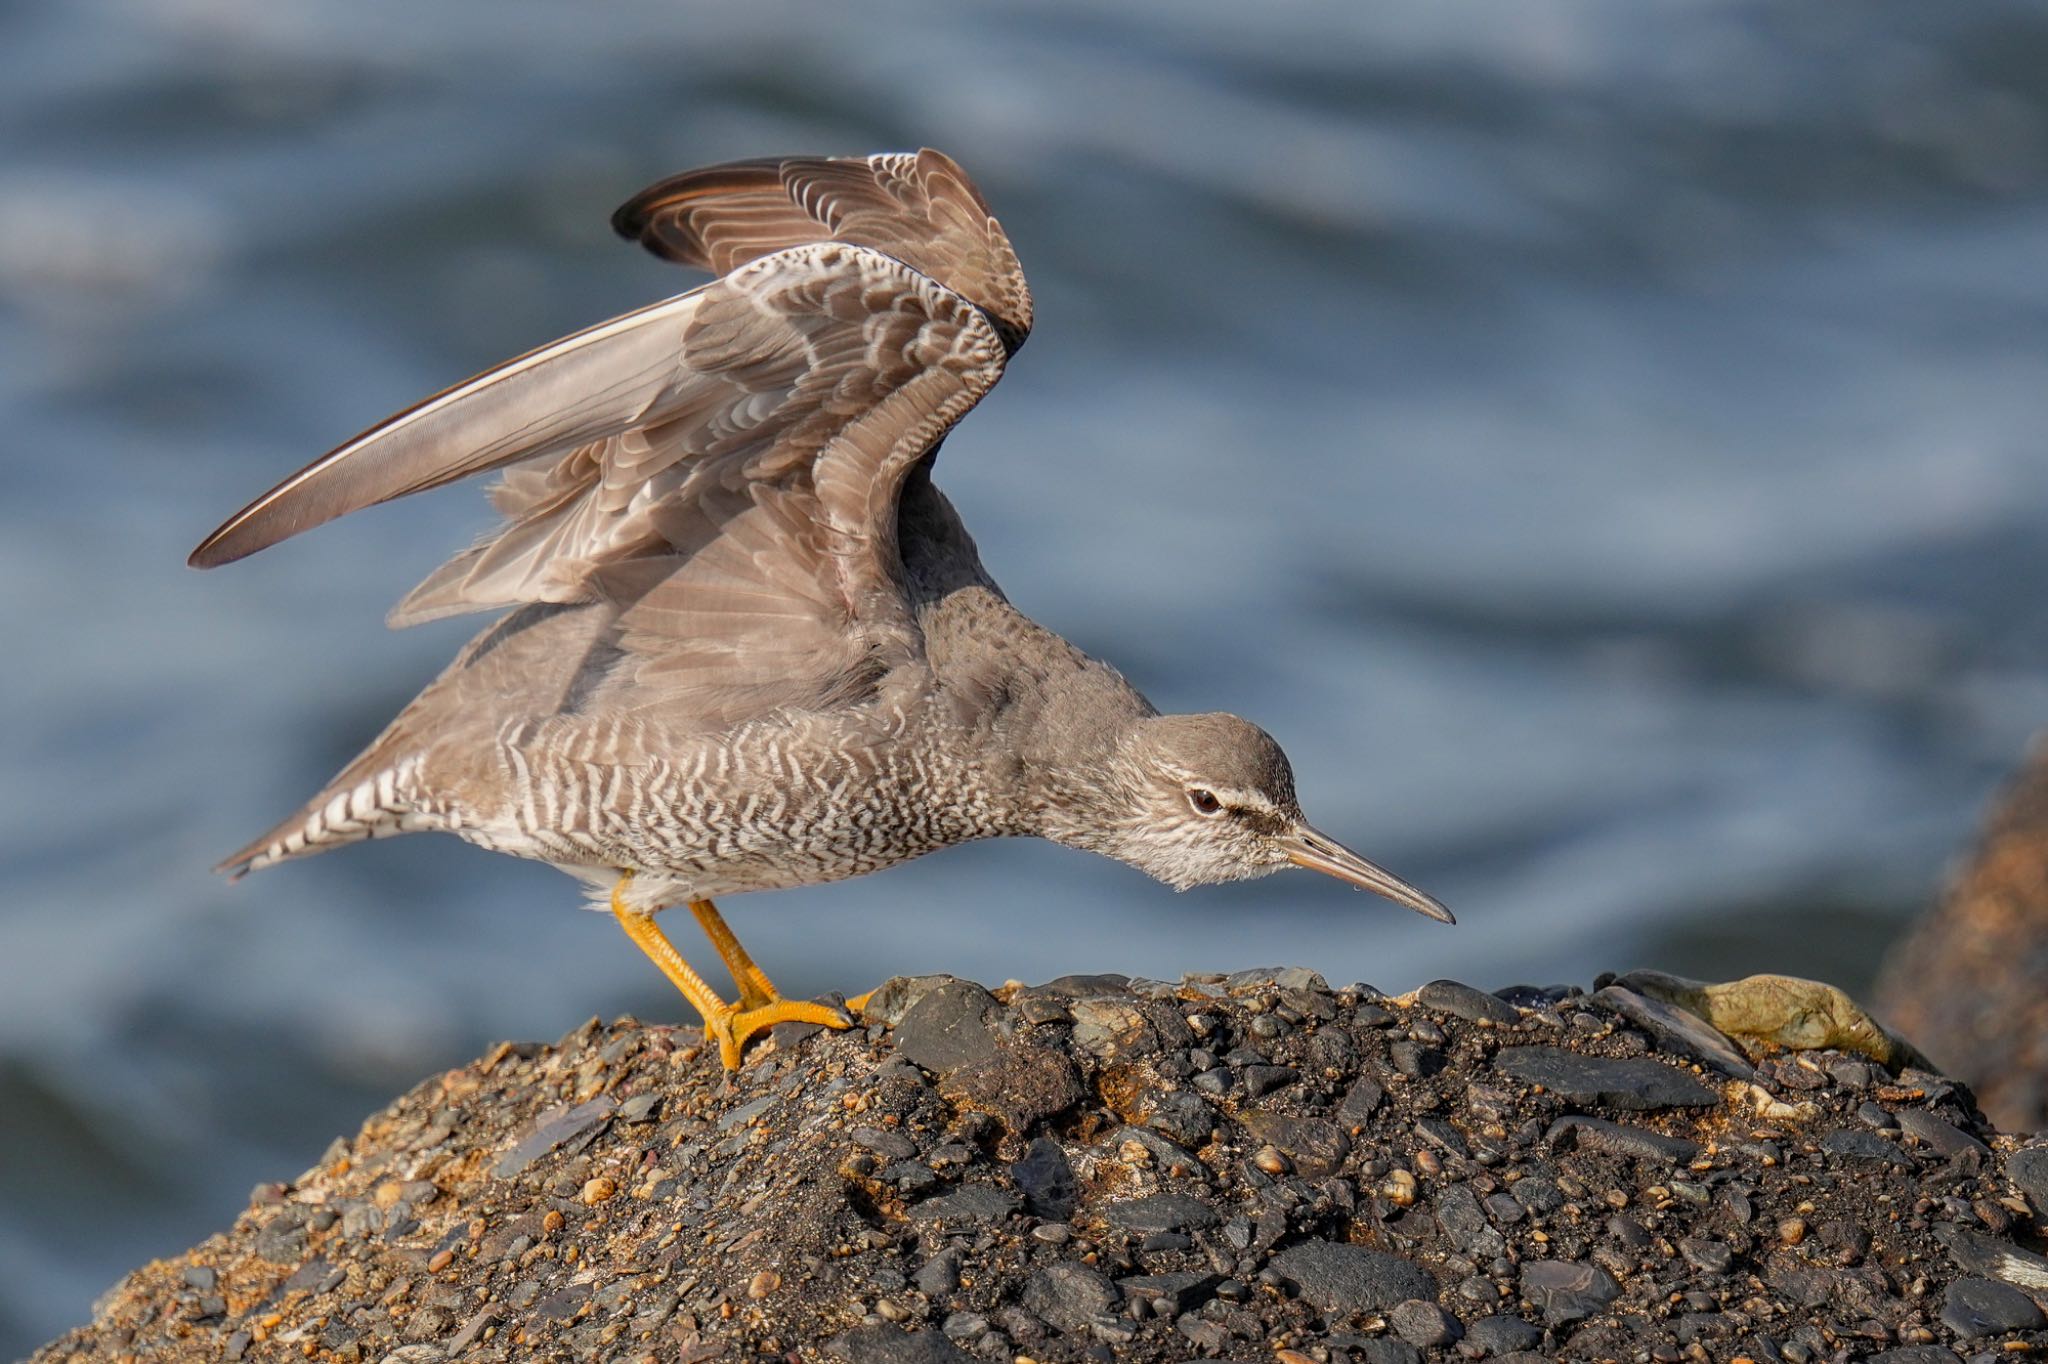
[[1604, 439]]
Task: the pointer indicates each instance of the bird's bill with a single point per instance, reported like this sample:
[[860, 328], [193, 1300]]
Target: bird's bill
[[1307, 848]]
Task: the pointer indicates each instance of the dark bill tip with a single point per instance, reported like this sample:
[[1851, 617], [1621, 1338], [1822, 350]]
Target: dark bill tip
[[1307, 848]]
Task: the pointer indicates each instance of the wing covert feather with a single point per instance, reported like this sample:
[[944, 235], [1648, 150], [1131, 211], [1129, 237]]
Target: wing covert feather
[[917, 207]]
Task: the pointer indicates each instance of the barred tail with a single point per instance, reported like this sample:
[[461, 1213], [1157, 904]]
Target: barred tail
[[352, 809]]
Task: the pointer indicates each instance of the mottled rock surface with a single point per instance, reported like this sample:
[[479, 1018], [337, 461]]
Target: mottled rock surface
[[1248, 1167], [1970, 983]]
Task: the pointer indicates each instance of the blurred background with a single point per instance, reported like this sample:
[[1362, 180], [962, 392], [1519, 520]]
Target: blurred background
[[1603, 440]]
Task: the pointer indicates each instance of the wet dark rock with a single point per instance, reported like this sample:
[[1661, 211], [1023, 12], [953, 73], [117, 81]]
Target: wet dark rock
[[1620, 1139], [1943, 1137], [1474, 1006], [1070, 1296], [1364, 1096], [1415, 1060], [1162, 1212], [2028, 1171], [552, 1129], [1857, 1145], [1423, 1324], [1046, 1180], [1678, 1032], [975, 1203], [1600, 1081], [1171, 1294], [1566, 1292], [1500, 1335], [1317, 1147], [1983, 1307], [1342, 1280], [945, 1029], [1364, 1178], [1261, 1080], [1185, 1117], [886, 1344]]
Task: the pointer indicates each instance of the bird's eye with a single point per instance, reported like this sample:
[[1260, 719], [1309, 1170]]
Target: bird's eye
[[1205, 802]]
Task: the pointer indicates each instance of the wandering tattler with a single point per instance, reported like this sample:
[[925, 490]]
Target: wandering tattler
[[749, 644]]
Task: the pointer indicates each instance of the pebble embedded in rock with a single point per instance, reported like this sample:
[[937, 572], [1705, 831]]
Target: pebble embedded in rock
[[1415, 1060], [1854, 1144], [1637, 1084], [1162, 1212], [1070, 1296], [1944, 1138], [1474, 1006], [1567, 1292], [1046, 1180], [1185, 1117], [1341, 1280], [885, 1344], [945, 1029], [1261, 1080], [1423, 1324], [1499, 1335], [974, 1203], [1984, 1307]]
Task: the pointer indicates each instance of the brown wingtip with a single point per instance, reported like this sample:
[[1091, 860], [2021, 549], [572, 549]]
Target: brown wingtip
[[651, 217]]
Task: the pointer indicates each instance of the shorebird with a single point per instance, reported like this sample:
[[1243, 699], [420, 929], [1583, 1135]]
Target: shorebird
[[747, 644]]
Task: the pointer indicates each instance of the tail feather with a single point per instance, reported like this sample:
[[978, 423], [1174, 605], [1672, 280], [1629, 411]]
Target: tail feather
[[354, 808]]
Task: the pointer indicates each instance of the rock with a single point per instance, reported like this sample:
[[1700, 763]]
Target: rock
[[1501, 1335], [1046, 1180], [1162, 1212], [945, 1029], [1070, 1296], [1860, 1145], [1171, 1294], [1423, 1324], [1185, 1117], [1607, 1083], [1261, 1080], [885, 1344], [1317, 1147], [1621, 1139], [1384, 1351], [1021, 1085], [1360, 1101], [1109, 1027], [1681, 1033], [974, 1203], [2028, 1171], [1944, 1138], [1566, 1292], [1474, 1006], [1343, 1280], [1039, 1200], [1984, 1307]]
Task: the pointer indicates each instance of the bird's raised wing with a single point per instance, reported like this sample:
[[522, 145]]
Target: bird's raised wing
[[723, 467], [918, 207]]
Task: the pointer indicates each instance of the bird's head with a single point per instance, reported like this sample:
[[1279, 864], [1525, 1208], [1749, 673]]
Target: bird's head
[[1198, 799]]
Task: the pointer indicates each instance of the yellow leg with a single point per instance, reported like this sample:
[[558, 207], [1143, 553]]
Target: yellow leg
[[761, 1004], [755, 987], [760, 1007]]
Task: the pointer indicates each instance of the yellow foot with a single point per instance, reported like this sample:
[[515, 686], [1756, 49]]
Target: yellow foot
[[859, 1003], [731, 1028]]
